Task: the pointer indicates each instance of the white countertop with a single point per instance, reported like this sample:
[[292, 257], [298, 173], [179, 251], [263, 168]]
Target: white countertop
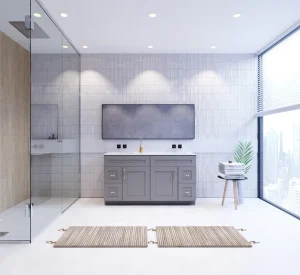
[[149, 154]]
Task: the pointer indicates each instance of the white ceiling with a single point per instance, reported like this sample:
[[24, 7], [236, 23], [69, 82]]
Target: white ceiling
[[181, 26]]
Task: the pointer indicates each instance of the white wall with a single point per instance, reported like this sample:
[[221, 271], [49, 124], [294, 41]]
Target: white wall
[[222, 87]]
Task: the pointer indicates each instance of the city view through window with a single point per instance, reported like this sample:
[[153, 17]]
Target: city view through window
[[281, 164]]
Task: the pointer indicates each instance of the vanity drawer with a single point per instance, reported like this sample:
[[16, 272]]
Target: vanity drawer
[[113, 192], [187, 175], [184, 161], [113, 175], [133, 161], [187, 192]]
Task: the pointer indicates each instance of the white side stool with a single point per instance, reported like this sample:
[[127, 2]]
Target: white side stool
[[235, 190]]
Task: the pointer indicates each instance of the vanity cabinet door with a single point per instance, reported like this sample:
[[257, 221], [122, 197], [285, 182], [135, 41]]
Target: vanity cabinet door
[[136, 183], [164, 183]]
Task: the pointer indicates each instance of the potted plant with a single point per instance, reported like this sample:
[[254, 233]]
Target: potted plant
[[244, 154]]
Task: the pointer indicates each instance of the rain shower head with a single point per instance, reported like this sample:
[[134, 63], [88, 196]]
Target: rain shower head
[[36, 32]]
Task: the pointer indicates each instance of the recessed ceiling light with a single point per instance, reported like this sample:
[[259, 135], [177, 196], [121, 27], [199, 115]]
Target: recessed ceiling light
[[37, 15], [150, 47], [65, 47], [63, 15], [236, 15], [152, 15], [213, 47], [85, 47]]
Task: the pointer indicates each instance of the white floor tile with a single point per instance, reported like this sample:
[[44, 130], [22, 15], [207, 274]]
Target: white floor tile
[[277, 232]]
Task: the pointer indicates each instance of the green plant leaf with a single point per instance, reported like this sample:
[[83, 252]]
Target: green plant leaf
[[244, 154]]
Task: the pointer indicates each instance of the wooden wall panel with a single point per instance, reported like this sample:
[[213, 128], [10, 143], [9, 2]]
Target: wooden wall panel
[[14, 123]]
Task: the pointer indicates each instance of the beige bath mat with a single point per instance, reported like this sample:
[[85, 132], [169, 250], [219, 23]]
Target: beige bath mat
[[200, 236], [104, 236]]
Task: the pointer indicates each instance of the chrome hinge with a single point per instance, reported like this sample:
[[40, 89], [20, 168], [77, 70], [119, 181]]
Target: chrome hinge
[[28, 210]]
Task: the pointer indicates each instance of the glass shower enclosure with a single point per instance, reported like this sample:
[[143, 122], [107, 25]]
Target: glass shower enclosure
[[40, 121]]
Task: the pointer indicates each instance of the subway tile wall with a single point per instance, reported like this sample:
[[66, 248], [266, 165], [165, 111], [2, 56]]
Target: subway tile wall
[[55, 175], [223, 88], [44, 120], [55, 81], [55, 109]]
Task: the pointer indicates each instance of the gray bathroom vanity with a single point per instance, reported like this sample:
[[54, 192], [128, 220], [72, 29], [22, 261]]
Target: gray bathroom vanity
[[149, 178]]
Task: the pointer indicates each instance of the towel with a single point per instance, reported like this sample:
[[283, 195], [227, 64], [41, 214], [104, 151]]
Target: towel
[[231, 177]]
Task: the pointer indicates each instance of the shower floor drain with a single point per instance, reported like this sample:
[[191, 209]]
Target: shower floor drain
[[2, 234]]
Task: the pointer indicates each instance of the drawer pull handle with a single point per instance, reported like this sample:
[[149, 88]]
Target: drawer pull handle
[[175, 174], [187, 175], [124, 172], [187, 192], [112, 192], [112, 175]]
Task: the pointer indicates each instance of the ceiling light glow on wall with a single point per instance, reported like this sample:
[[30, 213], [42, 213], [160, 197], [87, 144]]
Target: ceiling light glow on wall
[[65, 47], [63, 15], [213, 47], [37, 15], [150, 47], [152, 15], [236, 15], [85, 47]]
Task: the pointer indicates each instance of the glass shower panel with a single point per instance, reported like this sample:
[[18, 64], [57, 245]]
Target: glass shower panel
[[46, 110], [15, 120], [70, 125]]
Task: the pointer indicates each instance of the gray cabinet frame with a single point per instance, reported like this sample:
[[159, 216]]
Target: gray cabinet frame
[[152, 179]]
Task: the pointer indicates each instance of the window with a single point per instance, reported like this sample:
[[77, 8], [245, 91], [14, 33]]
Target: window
[[279, 113], [281, 162], [280, 75]]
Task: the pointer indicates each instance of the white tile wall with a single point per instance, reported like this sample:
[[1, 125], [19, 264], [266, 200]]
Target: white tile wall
[[44, 120], [55, 100], [41, 176], [223, 88], [55, 81]]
